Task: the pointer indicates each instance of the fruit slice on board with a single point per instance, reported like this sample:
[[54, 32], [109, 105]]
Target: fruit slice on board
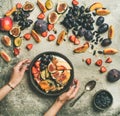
[[82, 49], [41, 6], [27, 36], [53, 17], [5, 56], [111, 32], [35, 36], [16, 51], [61, 7], [28, 6], [110, 51], [15, 31], [8, 13], [49, 4], [29, 46], [102, 12], [18, 41], [51, 37], [61, 37], [6, 40], [50, 27], [95, 6]]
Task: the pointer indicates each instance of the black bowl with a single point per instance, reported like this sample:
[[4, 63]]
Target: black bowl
[[51, 93], [102, 100]]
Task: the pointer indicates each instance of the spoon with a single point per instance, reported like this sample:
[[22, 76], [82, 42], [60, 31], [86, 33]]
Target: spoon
[[88, 87]]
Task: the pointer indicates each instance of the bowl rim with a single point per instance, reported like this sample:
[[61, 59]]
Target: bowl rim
[[36, 86], [99, 108]]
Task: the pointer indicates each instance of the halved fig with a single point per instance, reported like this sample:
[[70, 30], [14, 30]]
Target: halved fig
[[111, 32], [61, 7], [15, 31], [62, 65], [35, 36], [82, 49], [53, 17], [28, 6], [6, 40], [95, 6], [64, 77], [5, 56], [61, 37], [54, 60], [56, 74], [102, 12], [51, 68], [110, 51]]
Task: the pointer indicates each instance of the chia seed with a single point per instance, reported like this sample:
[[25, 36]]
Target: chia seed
[[97, 34], [100, 52], [92, 47], [100, 39], [94, 52], [96, 43], [92, 40], [94, 14]]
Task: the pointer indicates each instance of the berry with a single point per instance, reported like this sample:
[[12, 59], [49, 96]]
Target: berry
[[108, 60], [27, 36], [88, 61], [29, 46], [99, 62], [51, 37], [103, 69]]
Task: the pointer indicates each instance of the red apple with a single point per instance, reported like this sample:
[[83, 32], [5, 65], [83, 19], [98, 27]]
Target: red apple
[[6, 24]]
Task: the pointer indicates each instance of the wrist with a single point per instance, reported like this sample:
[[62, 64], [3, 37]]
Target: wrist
[[60, 102], [12, 84]]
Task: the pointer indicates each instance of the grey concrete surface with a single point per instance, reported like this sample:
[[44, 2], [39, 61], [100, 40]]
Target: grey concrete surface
[[25, 101]]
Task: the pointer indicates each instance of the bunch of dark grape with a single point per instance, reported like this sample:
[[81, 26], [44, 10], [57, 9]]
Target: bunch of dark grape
[[45, 60], [80, 20], [21, 17]]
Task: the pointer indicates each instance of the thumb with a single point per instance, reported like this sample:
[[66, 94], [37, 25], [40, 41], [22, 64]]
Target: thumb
[[23, 69]]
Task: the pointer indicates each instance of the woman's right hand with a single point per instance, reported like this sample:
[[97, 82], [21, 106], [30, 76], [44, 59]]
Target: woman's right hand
[[18, 72]]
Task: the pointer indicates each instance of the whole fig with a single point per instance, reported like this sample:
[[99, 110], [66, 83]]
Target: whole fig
[[40, 26], [113, 75]]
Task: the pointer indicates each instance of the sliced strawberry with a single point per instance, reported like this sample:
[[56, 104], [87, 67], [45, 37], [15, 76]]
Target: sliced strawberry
[[108, 60], [77, 41], [29, 46], [16, 51], [51, 37], [50, 27], [37, 63], [72, 38], [37, 80], [88, 61], [41, 16], [36, 75], [18, 5], [34, 70], [75, 2], [103, 69], [44, 34], [99, 62], [27, 36]]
